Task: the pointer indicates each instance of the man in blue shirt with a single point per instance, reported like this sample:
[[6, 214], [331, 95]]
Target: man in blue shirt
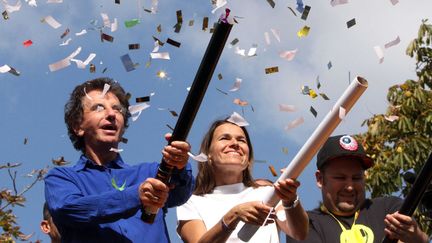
[[101, 197]]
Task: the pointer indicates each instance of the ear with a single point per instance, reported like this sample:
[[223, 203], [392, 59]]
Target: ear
[[319, 178], [45, 226], [78, 131]]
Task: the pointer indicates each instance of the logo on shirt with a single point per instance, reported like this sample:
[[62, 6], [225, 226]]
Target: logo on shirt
[[114, 184], [357, 234]]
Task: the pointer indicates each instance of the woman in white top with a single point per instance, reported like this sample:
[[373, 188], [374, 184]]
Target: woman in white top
[[226, 196]]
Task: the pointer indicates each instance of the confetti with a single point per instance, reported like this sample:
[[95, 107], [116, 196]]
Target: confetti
[[205, 23], [64, 62], [82, 64], [161, 74], [54, 1], [131, 23], [338, 2], [287, 108], [159, 28], [105, 19], [25, 141], [233, 42], [305, 12], [276, 34], [66, 42], [238, 120], [117, 1], [236, 85], [312, 94], [300, 6], [329, 65], [82, 32], [252, 51], [318, 82], [324, 96], [173, 42], [303, 32], [272, 70], [127, 63], [142, 99], [267, 38], [285, 150], [219, 76], [392, 43], [92, 68], [351, 23], [272, 3], [160, 55], [239, 102], [305, 90], [105, 90], [218, 4], [27, 43], [225, 93], [136, 110], [52, 22], [60, 161], [191, 22], [173, 113], [200, 157], [294, 123], [178, 25], [288, 55], [65, 33], [11, 8], [5, 15], [292, 11], [134, 46], [124, 140], [379, 52], [272, 170], [313, 111], [394, 2], [117, 150], [106, 37]]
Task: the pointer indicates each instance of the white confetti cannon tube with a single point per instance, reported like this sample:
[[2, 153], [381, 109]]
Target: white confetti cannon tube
[[310, 148]]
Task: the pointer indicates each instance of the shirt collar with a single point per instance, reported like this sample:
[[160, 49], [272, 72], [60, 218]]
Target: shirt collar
[[84, 162]]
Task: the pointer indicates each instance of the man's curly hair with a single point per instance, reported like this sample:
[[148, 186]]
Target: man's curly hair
[[74, 109]]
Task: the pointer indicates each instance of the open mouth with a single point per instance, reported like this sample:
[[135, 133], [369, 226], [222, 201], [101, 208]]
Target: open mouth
[[109, 127]]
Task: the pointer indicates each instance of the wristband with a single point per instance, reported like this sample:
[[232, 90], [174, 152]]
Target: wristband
[[292, 205], [225, 226]]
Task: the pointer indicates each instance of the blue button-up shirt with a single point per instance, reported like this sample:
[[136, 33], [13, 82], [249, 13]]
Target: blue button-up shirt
[[93, 203]]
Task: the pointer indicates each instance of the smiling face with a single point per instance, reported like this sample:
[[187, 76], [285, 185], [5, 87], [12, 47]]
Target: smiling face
[[102, 124], [229, 149], [342, 184]]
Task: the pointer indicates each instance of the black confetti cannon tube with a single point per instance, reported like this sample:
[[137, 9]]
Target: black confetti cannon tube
[[416, 193], [192, 103]]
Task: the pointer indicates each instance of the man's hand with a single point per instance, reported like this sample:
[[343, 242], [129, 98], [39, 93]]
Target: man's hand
[[176, 154], [403, 228], [153, 192]]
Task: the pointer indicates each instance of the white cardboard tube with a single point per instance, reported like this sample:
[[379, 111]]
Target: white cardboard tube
[[310, 148]]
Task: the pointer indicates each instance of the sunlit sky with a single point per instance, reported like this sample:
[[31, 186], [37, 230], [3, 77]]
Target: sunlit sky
[[32, 103]]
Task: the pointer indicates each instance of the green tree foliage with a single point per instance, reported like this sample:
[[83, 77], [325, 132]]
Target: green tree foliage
[[9, 198], [401, 139]]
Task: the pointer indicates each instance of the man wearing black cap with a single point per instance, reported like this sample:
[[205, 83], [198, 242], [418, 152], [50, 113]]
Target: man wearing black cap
[[345, 214]]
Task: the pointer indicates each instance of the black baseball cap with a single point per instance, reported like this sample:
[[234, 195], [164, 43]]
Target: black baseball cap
[[342, 146]]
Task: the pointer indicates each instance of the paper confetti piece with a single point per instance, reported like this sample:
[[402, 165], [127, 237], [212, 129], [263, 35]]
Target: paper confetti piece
[[117, 150], [238, 120], [305, 12], [312, 94], [200, 157], [219, 76], [276, 34], [5, 15], [267, 38], [303, 32], [272, 170], [239, 102], [300, 6], [60, 161], [161, 74], [173, 42], [11, 8], [329, 65], [394, 2], [288, 55], [160, 55], [52, 22], [173, 113], [324, 96], [337, 2], [380, 53], [313, 111], [4, 69], [391, 118], [92, 68], [285, 150], [205, 23], [134, 46], [225, 93], [392, 43], [66, 42], [318, 82], [305, 89], [142, 99], [272, 70], [83, 64], [218, 4], [178, 25], [54, 1], [82, 32], [292, 11], [294, 123], [252, 51], [105, 90], [239, 51], [136, 110], [131, 23], [127, 63], [64, 62], [105, 19], [65, 33], [351, 23], [287, 108], [106, 37], [27, 43], [272, 3], [233, 42], [236, 85]]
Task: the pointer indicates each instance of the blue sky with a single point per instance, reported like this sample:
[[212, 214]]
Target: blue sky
[[32, 103]]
